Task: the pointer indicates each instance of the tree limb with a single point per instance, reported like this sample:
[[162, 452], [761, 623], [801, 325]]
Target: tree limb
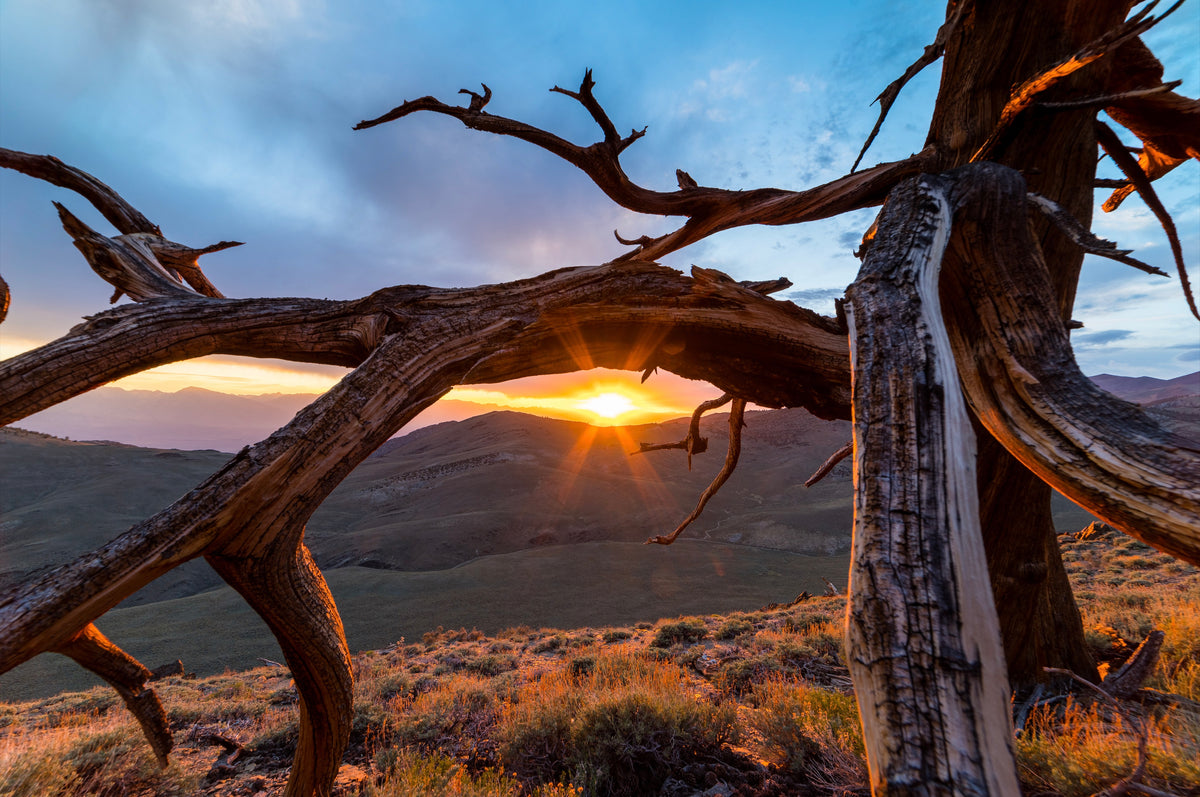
[[926, 657], [1084, 239], [693, 443], [1116, 150], [94, 652], [931, 53], [736, 415], [709, 210], [1024, 96], [830, 463], [126, 218], [1014, 358]]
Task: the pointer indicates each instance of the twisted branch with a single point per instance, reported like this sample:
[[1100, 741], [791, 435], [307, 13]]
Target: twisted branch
[[693, 443], [709, 210], [736, 422]]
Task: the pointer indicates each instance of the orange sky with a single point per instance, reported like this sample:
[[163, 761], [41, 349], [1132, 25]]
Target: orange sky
[[600, 397]]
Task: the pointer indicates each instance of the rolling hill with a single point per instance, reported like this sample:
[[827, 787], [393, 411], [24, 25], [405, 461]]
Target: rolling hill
[[495, 520]]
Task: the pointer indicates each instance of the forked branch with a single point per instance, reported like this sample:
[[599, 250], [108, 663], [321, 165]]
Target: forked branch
[[709, 210], [736, 421], [693, 443], [140, 262]]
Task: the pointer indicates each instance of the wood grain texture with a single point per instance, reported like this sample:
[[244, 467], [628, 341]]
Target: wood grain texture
[[924, 640]]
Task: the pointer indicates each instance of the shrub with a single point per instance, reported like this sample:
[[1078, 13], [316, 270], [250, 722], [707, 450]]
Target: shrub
[[491, 665], [619, 727], [734, 628], [84, 760], [458, 709], [1081, 750], [809, 731], [685, 629], [408, 773]]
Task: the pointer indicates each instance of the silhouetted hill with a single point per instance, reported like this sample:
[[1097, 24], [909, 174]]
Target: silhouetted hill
[[1147, 389]]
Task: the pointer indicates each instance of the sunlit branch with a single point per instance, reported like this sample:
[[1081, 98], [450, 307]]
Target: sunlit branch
[[1025, 96]]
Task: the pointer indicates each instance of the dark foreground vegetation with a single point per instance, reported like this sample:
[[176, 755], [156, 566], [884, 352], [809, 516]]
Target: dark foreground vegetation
[[749, 703]]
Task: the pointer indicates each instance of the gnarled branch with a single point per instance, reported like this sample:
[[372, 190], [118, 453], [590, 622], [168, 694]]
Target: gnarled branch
[[693, 443], [736, 421], [709, 210], [1017, 370], [93, 651]]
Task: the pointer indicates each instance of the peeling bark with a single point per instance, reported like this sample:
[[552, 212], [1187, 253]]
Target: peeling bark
[[922, 629]]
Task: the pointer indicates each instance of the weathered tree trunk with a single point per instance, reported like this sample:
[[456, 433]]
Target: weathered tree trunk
[[996, 47], [922, 631]]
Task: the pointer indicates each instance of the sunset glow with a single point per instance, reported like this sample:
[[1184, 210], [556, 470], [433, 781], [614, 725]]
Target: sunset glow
[[608, 405], [598, 396]]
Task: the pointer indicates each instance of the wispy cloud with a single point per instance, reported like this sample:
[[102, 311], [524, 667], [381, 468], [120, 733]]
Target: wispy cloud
[[1107, 337]]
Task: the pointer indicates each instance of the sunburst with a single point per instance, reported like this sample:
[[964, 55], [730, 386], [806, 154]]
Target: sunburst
[[608, 405]]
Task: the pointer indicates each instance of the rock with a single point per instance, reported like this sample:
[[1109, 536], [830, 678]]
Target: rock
[[350, 780], [174, 668], [1097, 530]]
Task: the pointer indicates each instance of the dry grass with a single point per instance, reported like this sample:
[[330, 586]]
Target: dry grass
[[760, 701]]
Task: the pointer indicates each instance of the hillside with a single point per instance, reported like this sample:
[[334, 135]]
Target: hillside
[[439, 525], [755, 703], [441, 496]]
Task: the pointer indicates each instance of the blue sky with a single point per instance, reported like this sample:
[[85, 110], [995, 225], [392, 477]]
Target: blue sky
[[231, 119]]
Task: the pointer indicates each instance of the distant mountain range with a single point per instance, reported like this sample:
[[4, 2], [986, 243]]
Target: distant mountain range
[[194, 418]]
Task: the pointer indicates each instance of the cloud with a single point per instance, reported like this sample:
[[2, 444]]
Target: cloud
[[819, 299], [1190, 353], [1105, 337]]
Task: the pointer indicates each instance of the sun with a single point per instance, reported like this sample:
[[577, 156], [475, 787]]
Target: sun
[[608, 405]]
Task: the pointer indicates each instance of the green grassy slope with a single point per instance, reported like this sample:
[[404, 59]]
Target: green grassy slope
[[593, 584]]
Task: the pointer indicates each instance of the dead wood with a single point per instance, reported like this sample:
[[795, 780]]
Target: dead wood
[[693, 443], [1141, 183], [736, 422], [1023, 385], [93, 651], [830, 463], [709, 210], [934, 667]]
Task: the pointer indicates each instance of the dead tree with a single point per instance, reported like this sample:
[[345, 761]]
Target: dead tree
[[952, 358]]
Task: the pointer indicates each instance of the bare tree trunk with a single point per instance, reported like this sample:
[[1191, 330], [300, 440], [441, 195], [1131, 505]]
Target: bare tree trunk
[[926, 658], [998, 46]]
